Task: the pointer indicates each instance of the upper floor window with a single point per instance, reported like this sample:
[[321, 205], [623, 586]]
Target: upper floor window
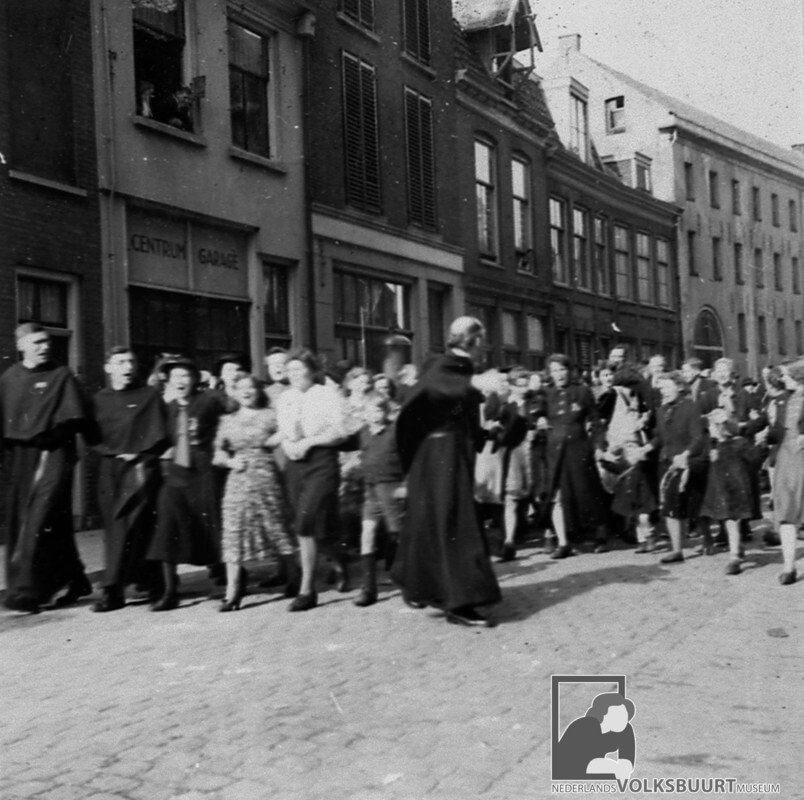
[[417, 29], [739, 270], [714, 189], [486, 197], [793, 211], [361, 11], [558, 244], [644, 269], [775, 210], [159, 45], [759, 269], [602, 256], [756, 203], [692, 256], [663, 272], [689, 181], [762, 335], [361, 134], [742, 334], [778, 283], [520, 189], [736, 198], [580, 248], [615, 114], [642, 179], [579, 126], [799, 337], [717, 259], [420, 162], [781, 337], [796, 275], [248, 89], [40, 89], [622, 262], [276, 315]]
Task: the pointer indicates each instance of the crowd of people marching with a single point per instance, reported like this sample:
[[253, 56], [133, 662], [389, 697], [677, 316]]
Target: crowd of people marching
[[223, 470]]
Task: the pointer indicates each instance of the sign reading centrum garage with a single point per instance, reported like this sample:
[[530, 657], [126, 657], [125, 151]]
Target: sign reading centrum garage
[[180, 254]]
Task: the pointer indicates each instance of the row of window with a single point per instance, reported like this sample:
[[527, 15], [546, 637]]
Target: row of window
[[641, 261], [739, 265], [415, 18], [362, 144], [762, 335], [736, 198]]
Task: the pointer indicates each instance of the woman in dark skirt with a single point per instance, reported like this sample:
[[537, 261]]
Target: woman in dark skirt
[[680, 439], [188, 524], [443, 557], [311, 419]]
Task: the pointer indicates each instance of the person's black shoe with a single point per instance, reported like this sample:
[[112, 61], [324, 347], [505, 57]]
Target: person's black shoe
[[166, 603], [415, 604], [304, 602], [562, 551], [22, 602], [367, 597], [676, 557], [111, 601], [787, 578], [78, 588], [508, 552], [601, 547], [467, 616]]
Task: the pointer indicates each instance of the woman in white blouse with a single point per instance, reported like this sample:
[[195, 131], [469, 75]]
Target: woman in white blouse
[[311, 425]]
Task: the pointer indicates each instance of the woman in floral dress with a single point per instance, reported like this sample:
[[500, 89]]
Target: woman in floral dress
[[254, 512]]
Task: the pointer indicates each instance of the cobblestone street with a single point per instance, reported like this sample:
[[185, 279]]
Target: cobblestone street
[[389, 702]]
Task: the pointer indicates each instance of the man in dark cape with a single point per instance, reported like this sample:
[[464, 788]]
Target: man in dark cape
[[443, 557], [42, 410], [130, 436]]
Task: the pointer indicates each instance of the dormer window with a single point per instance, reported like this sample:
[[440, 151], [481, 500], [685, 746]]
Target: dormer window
[[615, 114], [579, 120], [642, 172]]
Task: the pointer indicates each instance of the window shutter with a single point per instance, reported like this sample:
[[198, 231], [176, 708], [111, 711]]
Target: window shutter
[[360, 134], [421, 167], [417, 29]]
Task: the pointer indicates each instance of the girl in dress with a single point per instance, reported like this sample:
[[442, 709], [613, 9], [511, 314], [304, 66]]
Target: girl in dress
[[255, 519], [728, 495]]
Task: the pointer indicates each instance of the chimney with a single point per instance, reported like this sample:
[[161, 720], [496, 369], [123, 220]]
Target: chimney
[[570, 42]]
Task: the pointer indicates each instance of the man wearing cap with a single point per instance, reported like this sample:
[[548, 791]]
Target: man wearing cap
[[42, 410], [131, 433]]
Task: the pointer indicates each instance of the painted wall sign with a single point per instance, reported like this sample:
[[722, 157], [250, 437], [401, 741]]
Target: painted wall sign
[[169, 252]]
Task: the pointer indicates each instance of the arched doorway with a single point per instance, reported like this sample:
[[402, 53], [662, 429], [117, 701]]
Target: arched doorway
[[708, 338]]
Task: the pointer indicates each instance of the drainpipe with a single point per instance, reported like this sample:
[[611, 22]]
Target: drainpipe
[[305, 30]]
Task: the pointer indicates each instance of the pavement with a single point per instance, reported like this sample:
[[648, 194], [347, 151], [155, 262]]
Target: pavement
[[392, 703]]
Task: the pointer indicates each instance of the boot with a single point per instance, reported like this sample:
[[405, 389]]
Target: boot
[[368, 594], [341, 559], [292, 571], [390, 552]]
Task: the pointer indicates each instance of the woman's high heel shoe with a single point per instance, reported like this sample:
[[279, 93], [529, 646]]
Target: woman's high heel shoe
[[231, 605]]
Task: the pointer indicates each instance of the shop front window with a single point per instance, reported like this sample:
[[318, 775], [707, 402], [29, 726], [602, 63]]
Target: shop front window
[[367, 311]]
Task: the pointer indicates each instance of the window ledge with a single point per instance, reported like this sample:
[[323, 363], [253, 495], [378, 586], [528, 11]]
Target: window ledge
[[260, 161], [169, 130], [356, 26], [488, 262], [57, 185], [416, 64]]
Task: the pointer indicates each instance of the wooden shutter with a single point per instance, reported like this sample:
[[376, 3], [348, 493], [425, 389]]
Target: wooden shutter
[[362, 11], [361, 134], [417, 29], [421, 166]]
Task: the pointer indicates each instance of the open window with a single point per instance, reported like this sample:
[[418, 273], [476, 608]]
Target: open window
[[163, 93]]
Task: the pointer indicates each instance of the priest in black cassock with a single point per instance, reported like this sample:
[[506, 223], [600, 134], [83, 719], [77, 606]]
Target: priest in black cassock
[[131, 433], [41, 410], [443, 557]]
